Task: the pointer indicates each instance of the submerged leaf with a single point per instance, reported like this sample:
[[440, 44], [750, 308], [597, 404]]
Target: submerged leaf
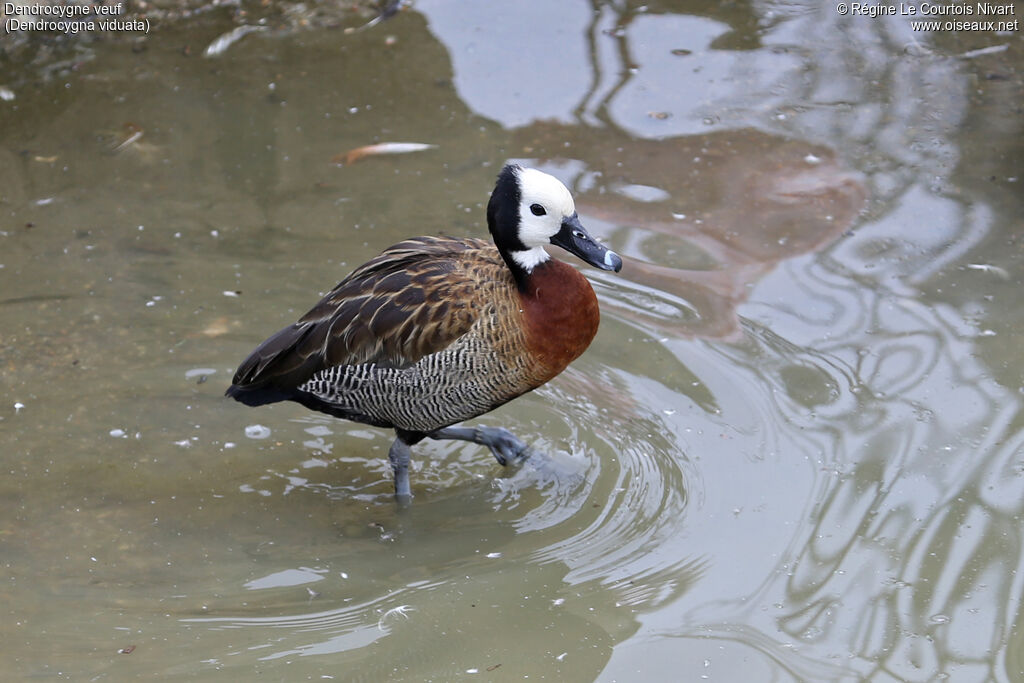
[[223, 42], [132, 133], [354, 155]]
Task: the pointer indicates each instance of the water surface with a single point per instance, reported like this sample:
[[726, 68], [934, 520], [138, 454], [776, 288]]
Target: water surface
[[795, 450]]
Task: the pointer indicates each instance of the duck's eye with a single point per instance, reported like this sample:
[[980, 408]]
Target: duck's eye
[[537, 209]]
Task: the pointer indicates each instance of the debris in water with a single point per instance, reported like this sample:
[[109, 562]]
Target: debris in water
[[132, 134], [388, 9], [401, 610], [223, 42], [989, 268], [354, 155], [991, 50], [127, 650], [216, 328], [257, 431], [6, 94], [18, 405]]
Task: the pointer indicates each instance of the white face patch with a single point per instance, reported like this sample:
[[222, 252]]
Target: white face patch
[[545, 195], [530, 258]]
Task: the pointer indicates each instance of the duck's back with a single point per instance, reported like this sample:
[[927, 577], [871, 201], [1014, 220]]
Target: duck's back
[[431, 332]]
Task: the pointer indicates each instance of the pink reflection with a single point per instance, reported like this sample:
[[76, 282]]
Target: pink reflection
[[703, 218]]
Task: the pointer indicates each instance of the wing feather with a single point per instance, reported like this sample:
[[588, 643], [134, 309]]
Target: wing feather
[[412, 300]]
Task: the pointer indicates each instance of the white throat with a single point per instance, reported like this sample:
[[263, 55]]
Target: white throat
[[530, 258]]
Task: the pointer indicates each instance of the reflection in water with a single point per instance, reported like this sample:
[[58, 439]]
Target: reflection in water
[[909, 530], [863, 373], [348, 628], [719, 212]]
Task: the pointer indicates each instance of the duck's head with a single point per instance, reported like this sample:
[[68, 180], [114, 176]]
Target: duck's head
[[529, 209]]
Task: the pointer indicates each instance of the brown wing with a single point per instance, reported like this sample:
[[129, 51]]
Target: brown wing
[[412, 300]]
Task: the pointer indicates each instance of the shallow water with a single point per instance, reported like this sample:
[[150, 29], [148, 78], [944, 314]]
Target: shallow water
[[795, 450]]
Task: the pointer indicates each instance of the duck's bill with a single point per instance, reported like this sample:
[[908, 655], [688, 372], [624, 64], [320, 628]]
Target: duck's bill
[[575, 239]]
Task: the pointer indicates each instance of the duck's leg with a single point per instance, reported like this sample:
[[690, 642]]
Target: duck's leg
[[503, 444], [399, 456]]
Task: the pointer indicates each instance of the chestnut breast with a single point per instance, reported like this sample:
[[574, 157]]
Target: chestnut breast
[[560, 316]]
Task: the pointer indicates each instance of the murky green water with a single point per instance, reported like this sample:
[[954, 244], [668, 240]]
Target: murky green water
[[794, 452]]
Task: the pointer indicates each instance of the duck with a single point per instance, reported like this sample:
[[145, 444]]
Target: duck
[[437, 330]]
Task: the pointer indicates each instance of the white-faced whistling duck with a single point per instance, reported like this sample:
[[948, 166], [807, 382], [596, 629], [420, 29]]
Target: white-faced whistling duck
[[437, 330]]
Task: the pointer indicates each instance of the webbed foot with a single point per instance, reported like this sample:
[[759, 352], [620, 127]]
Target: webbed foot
[[504, 445]]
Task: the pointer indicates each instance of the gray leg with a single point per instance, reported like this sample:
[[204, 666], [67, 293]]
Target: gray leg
[[502, 443], [399, 456]]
